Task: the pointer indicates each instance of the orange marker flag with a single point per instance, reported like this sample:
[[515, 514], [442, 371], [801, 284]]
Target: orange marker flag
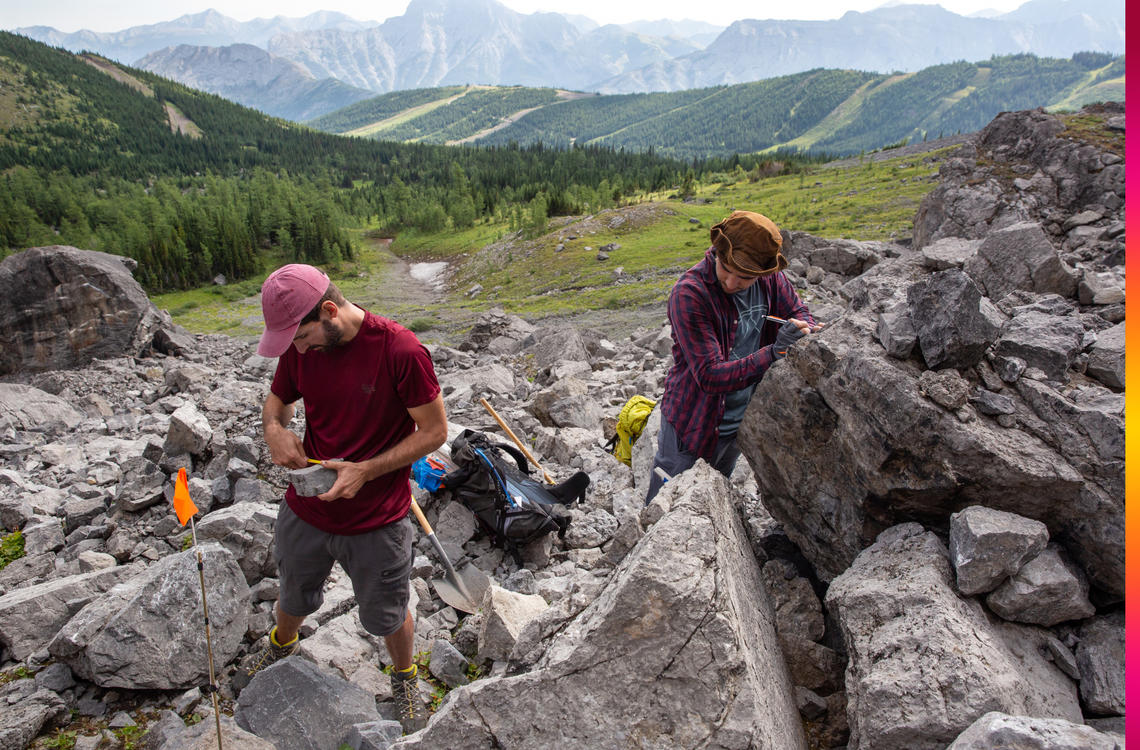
[[183, 505]]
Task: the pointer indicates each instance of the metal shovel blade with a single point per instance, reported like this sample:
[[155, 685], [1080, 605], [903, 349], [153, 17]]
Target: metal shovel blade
[[462, 589]]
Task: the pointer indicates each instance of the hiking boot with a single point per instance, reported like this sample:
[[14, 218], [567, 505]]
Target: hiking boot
[[270, 654], [412, 713]]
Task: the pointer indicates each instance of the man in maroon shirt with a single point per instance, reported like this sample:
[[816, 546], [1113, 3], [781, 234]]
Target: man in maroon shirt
[[373, 405]]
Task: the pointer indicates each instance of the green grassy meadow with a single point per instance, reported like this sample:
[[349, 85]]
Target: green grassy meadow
[[528, 275]]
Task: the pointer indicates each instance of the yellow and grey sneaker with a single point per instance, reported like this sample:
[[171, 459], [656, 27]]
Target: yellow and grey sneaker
[[412, 712], [273, 652]]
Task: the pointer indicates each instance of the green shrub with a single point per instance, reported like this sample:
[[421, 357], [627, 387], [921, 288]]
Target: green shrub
[[11, 548]]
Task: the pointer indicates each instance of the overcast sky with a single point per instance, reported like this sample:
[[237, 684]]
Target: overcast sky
[[72, 15]]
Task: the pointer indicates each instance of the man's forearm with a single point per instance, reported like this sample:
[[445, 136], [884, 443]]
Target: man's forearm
[[275, 415], [404, 453]]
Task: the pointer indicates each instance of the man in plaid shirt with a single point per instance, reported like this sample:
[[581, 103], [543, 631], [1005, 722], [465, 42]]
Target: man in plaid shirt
[[724, 342]]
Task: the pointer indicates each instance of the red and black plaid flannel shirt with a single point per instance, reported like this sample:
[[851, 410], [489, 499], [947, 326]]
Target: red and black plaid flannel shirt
[[704, 320]]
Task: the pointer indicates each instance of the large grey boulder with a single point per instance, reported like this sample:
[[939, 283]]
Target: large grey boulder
[[638, 661], [1000, 730], [61, 307], [925, 663], [954, 322], [843, 444], [148, 632], [246, 530], [1100, 659], [987, 546], [296, 704], [1046, 590], [1064, 176], [31, 616], [1020, 256], [23, 407]]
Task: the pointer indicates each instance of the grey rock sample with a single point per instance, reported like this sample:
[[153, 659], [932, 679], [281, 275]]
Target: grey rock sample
[[1106, 358], [1047, 342], [148, 632], [1020, 256], [1100, 659], [31, 616], [296, 704], [924, 662], [246, 530], [955, 323], [1000, 730], [987, 546], [1045, 591], [312, 480], [689, 595], [86, 306]]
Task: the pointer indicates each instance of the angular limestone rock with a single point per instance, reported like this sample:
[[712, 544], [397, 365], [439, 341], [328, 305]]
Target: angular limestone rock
[[1047, 590], [987, 546], [31, 616], [296, 704], [999, 730], [148, 632], [505, 613], [312, 480], [679, 651], [1100, 659], [924, 662], [1020, 256]]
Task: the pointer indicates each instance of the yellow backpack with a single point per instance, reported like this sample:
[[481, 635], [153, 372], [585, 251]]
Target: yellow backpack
[[630, 423]]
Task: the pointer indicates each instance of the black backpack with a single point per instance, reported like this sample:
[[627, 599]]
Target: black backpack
[[493, 481]]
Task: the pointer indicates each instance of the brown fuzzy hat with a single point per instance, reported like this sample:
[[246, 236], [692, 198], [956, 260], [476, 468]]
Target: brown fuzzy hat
[[750, 243]]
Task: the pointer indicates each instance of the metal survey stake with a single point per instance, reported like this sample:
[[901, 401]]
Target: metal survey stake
[[209, 643]]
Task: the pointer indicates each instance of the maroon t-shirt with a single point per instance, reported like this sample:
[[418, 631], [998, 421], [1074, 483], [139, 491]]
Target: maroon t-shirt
[[356, 406]]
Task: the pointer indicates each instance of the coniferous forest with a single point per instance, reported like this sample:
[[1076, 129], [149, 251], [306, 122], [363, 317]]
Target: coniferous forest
[[91, 161]]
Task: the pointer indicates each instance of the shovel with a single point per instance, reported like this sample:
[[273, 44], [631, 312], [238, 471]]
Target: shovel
[[461, 591]]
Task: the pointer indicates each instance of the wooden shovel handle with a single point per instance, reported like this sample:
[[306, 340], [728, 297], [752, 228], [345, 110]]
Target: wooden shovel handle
[[421, 517], [518, 442]]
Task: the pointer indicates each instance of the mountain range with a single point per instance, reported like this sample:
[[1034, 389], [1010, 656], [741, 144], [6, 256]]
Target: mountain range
[[444, 42]]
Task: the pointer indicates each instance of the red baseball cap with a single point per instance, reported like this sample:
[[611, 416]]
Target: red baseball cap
[[287, 296]]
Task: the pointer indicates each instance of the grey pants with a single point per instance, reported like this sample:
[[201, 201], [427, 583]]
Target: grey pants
[[673, 458]]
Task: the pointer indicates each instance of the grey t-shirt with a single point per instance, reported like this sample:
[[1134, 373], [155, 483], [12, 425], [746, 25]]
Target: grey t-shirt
[[751, 307]]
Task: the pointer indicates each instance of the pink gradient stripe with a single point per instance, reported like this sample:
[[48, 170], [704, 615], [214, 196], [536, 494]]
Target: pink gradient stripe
[[1132, 383]]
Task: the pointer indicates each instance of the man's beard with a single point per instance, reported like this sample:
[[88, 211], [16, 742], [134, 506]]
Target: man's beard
[[333, 336]]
